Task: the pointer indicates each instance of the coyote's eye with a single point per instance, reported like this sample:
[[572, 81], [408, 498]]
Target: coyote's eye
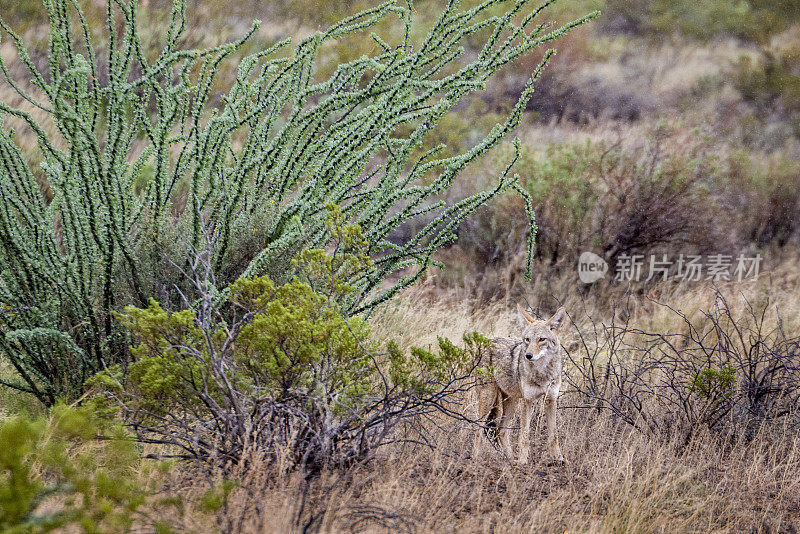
[[526, 339], [542, 340]]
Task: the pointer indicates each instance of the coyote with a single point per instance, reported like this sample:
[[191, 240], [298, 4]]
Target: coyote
[[524, 371]]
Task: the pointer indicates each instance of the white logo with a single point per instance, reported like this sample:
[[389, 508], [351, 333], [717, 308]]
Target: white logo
[[591, 267]]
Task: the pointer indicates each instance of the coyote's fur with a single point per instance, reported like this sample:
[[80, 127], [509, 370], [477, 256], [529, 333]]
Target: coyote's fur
[[524, 371]]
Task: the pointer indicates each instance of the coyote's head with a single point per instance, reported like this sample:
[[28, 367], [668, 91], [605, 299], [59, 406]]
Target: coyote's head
[[540, 336]]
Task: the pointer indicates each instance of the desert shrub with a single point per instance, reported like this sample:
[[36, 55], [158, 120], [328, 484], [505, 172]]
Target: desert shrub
[[604, 197], [771, 81], [769, 17], [702, 20], [22, 12], [137, 157], [764, 195], [70, 470], [280, 368], [724, 372], [711, 383]]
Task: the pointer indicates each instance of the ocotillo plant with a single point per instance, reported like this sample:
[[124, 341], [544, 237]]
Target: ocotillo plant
[[136, 157]]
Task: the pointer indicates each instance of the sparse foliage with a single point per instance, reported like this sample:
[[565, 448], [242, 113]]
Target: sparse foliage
[[724, 371]]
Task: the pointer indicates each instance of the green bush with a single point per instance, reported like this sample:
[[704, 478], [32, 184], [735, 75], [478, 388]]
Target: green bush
[[703, 20], [69, 470], [279, 368], [139, 161], [769, 17], [771, 80], [22, 12], [604, 197], [714, 384], [764, 195]]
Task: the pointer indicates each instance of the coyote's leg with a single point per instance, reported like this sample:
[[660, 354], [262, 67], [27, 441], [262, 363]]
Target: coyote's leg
[[486, 399], [525, 416], [553, 448], [509, 407]]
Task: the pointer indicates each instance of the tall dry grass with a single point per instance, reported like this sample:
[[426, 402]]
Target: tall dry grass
[[616, 479]]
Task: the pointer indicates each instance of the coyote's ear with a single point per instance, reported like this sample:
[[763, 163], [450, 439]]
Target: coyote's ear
[[525, 317], [557, 320]]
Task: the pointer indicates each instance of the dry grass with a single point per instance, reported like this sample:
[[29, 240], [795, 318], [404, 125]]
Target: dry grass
[[616, 479]]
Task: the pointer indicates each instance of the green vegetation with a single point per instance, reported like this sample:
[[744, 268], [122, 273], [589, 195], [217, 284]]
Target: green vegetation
[[674, 189], [608, 198], [279, 368], [704, 20], [714, 384], [71, 469], [700, 20], [22, 12], [772, 80], [141, 164]]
